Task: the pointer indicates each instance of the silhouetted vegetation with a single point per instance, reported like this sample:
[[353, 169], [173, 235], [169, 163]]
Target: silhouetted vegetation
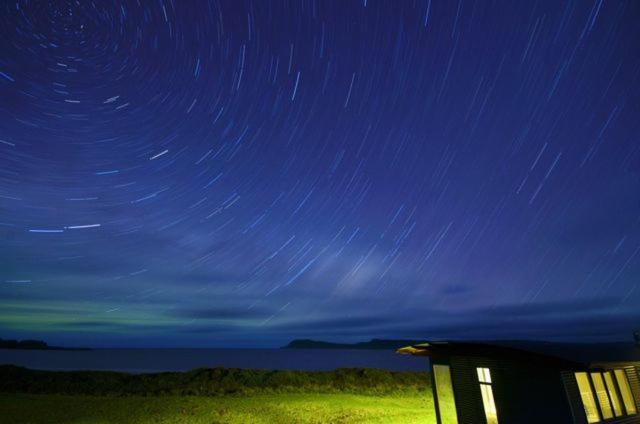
[[209, 382], [371, 344], [33, 344]]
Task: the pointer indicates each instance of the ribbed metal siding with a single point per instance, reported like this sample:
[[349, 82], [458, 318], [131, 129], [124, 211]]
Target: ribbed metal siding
[[532, 394], [575, 401], [524, 393], [634, 382], [632, 376], [573, 397], [467, 391]]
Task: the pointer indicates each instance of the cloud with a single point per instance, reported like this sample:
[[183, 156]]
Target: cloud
[[580, 319], [221, 313]]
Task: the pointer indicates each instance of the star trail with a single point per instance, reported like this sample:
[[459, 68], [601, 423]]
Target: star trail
[[213, 173]]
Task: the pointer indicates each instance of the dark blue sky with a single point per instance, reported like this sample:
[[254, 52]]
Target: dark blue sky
[[241, 173]]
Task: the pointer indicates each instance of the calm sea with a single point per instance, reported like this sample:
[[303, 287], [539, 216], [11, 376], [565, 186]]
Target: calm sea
[[156, 360]]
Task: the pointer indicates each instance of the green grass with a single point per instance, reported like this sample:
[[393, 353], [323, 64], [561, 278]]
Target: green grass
[[409, 407], [216, 395]]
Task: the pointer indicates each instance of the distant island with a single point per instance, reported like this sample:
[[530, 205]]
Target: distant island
[[33, 345], [371, 344]]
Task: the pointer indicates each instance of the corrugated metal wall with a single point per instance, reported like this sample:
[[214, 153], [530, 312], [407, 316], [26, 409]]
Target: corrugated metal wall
[[523, 393], [467, 391], [573, 397], [634, 381], [575, 402]]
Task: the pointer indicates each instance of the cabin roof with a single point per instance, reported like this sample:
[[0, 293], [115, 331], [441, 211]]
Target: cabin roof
[[582, 354]]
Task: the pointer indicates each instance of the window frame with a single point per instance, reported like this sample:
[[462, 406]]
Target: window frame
[[599, 400], [592, 392], [623, 371], [617, 391], [485, 381], [436, 392]]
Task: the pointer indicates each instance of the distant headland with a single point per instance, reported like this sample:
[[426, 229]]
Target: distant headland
[[371, 344], [33, 345]]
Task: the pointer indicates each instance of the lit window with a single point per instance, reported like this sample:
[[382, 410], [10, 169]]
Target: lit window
[[625, 392], [601, 394], [444, 394], [613, 394], [484, 375], [608, 391], [490, 411], [588, 400]]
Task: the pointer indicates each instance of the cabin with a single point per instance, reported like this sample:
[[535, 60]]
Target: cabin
[[533, 382]]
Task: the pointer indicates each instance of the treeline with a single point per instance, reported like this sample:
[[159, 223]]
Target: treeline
[[210, 382], [23, 344], [374, 344]]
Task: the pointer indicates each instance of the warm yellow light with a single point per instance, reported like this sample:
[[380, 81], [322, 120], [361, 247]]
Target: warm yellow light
[[601, 393], [625, 391], [489, 404], [444, 394], [484, 375], [490, 410], [588, 401], [613, 394]]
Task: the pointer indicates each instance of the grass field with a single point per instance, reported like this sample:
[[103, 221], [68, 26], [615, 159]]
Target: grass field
[[215, 396], [410, 407]]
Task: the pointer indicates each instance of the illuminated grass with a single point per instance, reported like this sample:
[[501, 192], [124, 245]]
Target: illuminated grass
[[410, 407], [215, 396]]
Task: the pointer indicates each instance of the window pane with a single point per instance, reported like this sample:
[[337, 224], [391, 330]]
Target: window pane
[[444, 393], [489, 404], [625, 391], [484, 375], [588, 401], [613, 394], [601, 393]]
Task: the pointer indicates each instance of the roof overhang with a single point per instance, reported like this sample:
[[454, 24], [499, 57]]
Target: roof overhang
[[569, 356], [421, 349]]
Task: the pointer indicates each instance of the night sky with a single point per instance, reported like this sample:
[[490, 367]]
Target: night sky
[[241, 173]]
